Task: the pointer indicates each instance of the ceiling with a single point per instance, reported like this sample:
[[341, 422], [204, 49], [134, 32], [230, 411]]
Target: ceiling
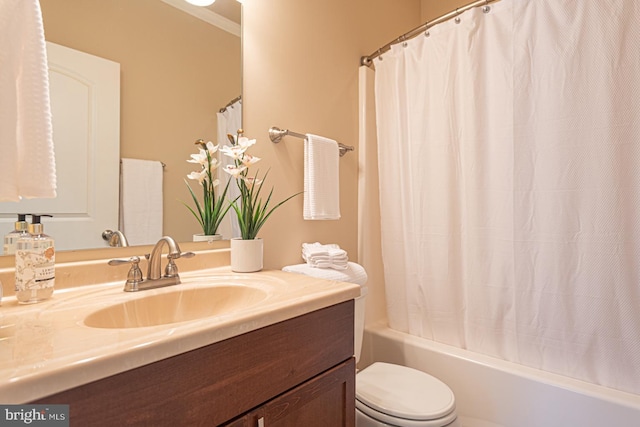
[[230, 9]]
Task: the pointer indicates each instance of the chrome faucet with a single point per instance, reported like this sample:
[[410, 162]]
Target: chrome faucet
[[154, 271], [115, 238], [155, 278]]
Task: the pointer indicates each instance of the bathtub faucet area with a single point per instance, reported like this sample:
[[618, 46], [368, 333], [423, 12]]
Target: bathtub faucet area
[[155, 278]]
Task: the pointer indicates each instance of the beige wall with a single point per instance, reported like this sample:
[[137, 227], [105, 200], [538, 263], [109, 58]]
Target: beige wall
[[301, 72], [176, 73]]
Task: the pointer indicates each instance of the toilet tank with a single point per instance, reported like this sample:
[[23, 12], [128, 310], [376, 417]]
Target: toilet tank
[[358, 324]]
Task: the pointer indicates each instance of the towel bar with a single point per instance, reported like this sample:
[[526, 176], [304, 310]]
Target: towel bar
[[276, 134]]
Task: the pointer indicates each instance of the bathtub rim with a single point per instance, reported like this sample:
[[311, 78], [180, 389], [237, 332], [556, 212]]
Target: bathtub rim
[[584, 388]]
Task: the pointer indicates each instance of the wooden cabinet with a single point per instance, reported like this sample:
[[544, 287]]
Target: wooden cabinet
[[299, 372], [320, 402]]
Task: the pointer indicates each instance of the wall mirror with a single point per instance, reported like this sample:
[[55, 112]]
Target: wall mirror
[[179, 66]]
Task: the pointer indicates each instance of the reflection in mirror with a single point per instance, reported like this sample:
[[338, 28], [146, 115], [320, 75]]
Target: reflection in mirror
[[176, 72]]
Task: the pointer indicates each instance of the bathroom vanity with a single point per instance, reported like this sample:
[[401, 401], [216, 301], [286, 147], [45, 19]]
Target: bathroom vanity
[[299, 372], [275, 350]]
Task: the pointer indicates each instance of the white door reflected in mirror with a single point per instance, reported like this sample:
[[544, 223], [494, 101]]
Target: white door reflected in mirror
[[85, 105]]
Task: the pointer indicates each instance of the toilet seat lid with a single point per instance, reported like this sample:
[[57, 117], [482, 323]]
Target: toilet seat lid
[[403, 392]]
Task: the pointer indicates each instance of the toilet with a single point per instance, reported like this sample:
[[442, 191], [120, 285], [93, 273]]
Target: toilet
[[393, 395]]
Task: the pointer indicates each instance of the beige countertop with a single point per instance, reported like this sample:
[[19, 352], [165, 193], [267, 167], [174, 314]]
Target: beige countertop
[[46, 348]]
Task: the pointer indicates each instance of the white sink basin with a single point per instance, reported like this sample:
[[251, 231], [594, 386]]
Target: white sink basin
[[178, 305]]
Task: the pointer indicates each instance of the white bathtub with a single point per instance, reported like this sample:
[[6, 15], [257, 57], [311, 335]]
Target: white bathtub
[[492, 392]]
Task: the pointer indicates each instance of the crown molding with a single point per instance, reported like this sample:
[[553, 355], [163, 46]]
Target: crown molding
[[206, 15]]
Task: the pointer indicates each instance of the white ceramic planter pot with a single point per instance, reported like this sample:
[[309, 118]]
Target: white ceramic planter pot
[[206, 237], [246, 255]]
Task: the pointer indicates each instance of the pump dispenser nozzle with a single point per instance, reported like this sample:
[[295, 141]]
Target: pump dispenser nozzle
[[36, 226], [35, 218], [21, 224]]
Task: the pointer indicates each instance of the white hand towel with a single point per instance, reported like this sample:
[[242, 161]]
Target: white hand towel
[[338, 262], [354, 273], [27, 161], [309, 247], [141, 201], [321, 178], [328, 257], [317, 248]]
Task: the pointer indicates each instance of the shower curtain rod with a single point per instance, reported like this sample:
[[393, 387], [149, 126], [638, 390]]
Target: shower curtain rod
[[368, 60], [230, 103]]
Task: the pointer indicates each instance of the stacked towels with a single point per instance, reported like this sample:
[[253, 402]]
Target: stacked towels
[[318, 255]]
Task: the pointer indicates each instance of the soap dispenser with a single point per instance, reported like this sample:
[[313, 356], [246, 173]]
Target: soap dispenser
[[35, 264], [10, 240]]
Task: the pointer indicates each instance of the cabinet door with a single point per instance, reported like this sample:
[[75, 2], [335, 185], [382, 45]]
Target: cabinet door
[[325, 400]]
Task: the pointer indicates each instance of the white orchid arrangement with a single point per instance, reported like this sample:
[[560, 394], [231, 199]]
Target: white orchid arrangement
[[213, 208], [251, 212]]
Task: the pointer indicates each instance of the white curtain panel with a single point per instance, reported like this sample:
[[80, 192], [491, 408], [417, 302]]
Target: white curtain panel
[[229, 121], [509, 158]]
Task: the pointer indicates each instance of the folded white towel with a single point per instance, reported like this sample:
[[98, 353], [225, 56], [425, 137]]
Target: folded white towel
[[321, 261], [325, 256], [26, 132], [141, 204], [354, 273], [321, 178], [336, 258], [318, 249], [334, 265]]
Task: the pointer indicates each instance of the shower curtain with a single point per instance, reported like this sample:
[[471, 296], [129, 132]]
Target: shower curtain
[[229, 121], [509, 162]]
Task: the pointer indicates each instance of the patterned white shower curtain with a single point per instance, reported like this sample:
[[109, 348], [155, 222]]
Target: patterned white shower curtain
[[509, 159]]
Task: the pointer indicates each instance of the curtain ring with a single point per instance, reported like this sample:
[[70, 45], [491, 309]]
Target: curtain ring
[[486, 8], [457, 20]]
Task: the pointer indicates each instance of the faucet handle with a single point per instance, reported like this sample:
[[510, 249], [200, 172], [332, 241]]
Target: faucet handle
[[132, 260], [171, 270], [134, 276]]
